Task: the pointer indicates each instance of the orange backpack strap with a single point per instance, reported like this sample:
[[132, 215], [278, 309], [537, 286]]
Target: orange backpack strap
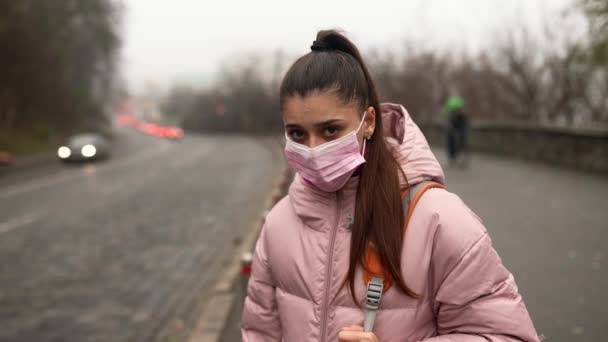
[[410, 198]]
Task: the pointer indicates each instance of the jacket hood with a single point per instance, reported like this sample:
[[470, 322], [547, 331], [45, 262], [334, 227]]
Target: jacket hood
[[412, 150]]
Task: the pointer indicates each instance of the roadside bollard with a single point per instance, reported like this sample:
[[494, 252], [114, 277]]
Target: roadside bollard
[[246, 260]]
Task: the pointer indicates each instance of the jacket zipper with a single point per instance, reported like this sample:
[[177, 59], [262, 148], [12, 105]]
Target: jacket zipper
[[332, 241]]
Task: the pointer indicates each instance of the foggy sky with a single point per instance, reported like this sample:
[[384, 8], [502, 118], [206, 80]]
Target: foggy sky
[[180, 40]]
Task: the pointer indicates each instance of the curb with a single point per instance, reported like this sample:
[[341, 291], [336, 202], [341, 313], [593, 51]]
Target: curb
[[222, 299]]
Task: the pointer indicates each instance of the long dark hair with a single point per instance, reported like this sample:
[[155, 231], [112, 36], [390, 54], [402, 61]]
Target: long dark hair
[[335, 65]]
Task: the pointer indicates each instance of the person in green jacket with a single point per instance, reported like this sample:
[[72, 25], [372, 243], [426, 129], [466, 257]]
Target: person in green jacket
[[457, 130]]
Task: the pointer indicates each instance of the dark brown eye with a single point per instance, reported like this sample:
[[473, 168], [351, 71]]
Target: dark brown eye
[[330, 131], [296, 134]]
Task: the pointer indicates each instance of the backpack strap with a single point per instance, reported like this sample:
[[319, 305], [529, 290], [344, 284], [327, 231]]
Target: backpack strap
[[372, 302], [410, 198], [375, 278]]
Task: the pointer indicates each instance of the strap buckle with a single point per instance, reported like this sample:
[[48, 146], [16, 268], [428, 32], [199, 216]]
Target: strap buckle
[[372, 302]]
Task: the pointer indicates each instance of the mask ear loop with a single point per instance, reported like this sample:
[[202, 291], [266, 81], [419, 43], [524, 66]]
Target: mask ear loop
[[365, 139], [364, 152], [361, 123]]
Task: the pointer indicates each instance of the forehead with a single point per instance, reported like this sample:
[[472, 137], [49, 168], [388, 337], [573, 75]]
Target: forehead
[[318, 107]]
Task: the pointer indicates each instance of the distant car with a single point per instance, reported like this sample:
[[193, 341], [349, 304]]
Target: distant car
[[173, 133], [148, 128], [153, 129], [84, 147]]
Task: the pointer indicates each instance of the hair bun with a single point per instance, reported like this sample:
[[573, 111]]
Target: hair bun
[[320, 46]]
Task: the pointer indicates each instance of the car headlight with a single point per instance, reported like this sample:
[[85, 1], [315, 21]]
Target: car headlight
[[64, 152], [88, 151]]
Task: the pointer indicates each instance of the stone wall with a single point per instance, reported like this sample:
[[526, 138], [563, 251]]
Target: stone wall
[[584, 149]]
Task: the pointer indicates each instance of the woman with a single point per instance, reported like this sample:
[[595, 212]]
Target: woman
[[353, 158]]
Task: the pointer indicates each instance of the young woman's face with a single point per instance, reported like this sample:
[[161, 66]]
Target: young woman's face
[[321, 117]]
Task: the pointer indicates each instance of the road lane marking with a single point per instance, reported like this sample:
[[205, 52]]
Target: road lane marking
[[19, 222]]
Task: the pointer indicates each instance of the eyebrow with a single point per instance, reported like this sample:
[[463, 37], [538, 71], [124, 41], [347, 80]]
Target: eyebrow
[[319, 124]]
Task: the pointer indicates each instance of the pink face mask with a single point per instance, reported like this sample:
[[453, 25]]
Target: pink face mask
[[330, 165]]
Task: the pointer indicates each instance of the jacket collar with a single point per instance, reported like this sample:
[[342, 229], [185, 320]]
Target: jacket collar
[[318, 209]]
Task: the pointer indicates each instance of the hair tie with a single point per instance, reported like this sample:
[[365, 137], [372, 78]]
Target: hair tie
[[320, 46]]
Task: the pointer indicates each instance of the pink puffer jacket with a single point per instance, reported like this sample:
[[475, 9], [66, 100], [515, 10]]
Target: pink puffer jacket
[[301, 260]]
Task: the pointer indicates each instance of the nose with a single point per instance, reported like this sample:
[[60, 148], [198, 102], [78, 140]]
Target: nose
[[315, 141]]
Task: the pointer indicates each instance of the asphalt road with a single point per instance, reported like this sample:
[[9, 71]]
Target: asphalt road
[[550, 227], [123, 250]]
